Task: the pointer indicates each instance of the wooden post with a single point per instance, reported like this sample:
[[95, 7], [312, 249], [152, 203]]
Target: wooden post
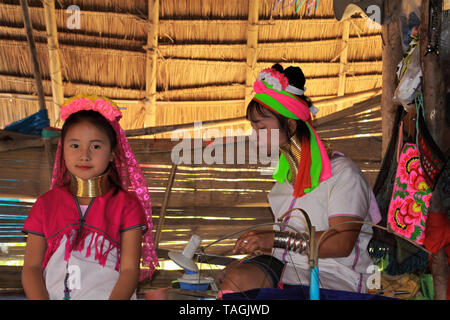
[[252, 46], [54, 60], [392, 55], [37, 76], [162, 214], [434, 91], [343, 57], [33, 54], [151, 63], [433, 82]]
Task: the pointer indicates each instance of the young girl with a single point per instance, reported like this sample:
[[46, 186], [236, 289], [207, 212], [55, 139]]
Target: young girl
[[84, 235], [329, 187]]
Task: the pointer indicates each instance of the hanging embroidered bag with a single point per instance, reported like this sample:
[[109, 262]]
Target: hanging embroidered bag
[[411, 196], [432, 160]]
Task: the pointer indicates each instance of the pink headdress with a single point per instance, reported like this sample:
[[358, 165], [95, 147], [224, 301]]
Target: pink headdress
[[128, 169]]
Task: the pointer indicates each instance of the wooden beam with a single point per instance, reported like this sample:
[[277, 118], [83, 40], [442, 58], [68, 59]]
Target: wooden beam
[[170, 128], [252, 47], [349, 97], [37, 75], [33, 54], [54, 59], [357, 108], [343, 57], [151, 63], [392, 55]]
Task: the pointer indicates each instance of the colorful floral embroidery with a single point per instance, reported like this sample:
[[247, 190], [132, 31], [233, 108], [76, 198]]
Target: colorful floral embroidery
[[410, 197]]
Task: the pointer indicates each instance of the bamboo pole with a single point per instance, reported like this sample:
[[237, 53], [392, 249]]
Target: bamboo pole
[[37, 77], [252, 47], [54, 59], [392, 55], [151, 63], [33, 54], [349, 97], [170, 128], [344, 57], [162, 214]]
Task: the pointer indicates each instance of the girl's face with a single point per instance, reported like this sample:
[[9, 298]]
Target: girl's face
[[87, 150], [266, 126]]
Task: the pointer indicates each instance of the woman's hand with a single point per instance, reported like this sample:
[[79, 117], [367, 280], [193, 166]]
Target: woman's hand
[[254, 240]]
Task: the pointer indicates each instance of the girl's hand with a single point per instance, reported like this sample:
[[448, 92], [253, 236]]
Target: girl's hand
[[254, 240], [32, 273]]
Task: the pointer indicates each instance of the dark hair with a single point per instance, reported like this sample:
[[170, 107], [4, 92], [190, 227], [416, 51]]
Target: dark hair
[[96, 119], [297, 79]]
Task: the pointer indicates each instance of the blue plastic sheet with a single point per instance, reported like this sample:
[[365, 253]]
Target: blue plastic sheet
[[32, 124]]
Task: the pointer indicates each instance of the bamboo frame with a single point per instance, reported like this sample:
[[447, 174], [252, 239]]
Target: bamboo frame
[[37, 76], [151, 63], [252, 47], [33, 53], [54, 59], [162, 213], [344, 57]]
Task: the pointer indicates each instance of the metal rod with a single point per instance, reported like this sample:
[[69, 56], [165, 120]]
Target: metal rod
[[162, 214]]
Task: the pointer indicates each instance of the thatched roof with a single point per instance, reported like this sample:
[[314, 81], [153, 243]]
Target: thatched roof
[[202, 51]]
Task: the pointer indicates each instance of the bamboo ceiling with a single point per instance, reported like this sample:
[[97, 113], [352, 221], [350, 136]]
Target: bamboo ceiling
[[202, 54]]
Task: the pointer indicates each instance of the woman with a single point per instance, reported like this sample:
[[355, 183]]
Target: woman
[[329, 187]]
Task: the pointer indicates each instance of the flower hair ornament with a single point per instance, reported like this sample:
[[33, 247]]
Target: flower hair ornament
[[272, 90], [128, 170], [279, 82]]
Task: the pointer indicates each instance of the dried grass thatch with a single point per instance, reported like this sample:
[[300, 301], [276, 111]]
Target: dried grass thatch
[[201, 54]]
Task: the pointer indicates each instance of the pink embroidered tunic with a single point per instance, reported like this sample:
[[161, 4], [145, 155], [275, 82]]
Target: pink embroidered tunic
[[82, 258]]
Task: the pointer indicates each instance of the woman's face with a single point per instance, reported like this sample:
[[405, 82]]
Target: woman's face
[[87, 150], [267, 127]]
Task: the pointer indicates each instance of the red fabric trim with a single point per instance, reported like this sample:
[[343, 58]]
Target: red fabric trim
[[303, 179], [77, 243], [437, 236], [437, 233]]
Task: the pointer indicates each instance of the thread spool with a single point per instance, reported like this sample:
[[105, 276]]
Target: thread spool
[[184, 259]]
